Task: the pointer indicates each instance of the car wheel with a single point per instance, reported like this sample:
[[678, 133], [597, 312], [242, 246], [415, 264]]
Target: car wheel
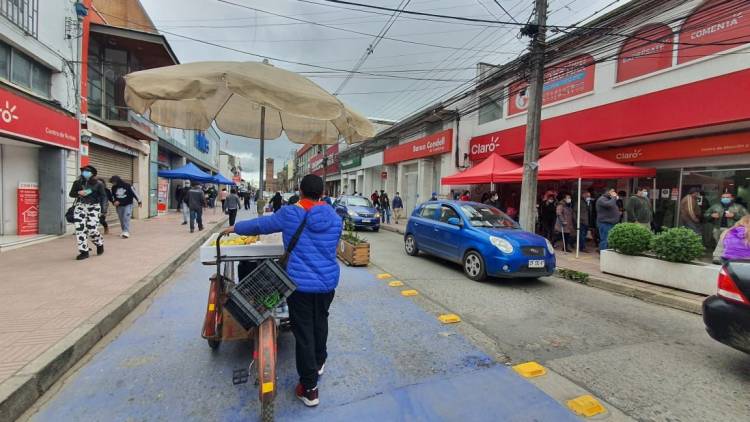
[[410, 246], [474, 266], [376, 229]]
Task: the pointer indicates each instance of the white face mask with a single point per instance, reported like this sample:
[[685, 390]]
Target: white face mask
[[644, 193], [568, 200]]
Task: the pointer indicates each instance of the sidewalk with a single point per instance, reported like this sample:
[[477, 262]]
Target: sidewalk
[[589, 264], [54, 308]]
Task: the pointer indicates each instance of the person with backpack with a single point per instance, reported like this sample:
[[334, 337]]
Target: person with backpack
[[122, 198], [91, 199], [385, 208], [313, 267], [231, 204]]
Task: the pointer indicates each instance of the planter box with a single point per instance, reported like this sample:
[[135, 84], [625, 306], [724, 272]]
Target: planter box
[[354, 255], [692, 277]]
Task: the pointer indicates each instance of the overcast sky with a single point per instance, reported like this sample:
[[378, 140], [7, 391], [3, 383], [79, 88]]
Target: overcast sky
[[455, 47]]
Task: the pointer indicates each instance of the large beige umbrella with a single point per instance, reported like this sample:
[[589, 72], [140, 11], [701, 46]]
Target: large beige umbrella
[[250, 99]]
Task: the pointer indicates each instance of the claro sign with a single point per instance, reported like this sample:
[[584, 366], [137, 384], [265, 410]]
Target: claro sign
[[481, 147], [437, 143]]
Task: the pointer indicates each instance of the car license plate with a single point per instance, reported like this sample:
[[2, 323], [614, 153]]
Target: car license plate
[[367, 220], [536, 263]]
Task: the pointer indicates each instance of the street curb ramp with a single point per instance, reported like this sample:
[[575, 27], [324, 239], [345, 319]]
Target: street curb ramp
[[19, 392]]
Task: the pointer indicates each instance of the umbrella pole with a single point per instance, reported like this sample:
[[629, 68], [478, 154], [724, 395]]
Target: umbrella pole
[[261, 185], [578, 237]]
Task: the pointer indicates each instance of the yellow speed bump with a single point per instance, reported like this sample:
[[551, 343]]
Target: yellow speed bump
[[449, 318], [530, 369], [409, 293], [396, 283], [586, 406], [383, 276]]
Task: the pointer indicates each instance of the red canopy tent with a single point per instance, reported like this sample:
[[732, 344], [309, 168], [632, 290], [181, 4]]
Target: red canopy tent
[[569, 161], [484, 172]]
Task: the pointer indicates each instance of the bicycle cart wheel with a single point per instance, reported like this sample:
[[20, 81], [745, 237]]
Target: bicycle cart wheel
[[265, 348]]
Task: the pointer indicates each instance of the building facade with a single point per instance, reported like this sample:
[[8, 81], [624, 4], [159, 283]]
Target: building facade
[[670, 95], [39, 130]]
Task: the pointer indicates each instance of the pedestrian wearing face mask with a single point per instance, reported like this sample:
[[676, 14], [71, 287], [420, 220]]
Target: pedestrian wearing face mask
[[91, 199], [564, 228], [639, 209], [548, 215], [493, 200], [723, 215], [607, 215], [585, 202]]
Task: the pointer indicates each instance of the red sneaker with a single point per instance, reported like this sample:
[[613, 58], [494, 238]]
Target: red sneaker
[[308, 397]]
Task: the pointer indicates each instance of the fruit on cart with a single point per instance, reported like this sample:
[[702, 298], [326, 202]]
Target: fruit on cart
[[236, 241]]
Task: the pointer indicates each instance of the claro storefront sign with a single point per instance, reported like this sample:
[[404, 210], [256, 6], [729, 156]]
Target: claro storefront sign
[[27, 119], [481, 147], [437, 143], [733, 143]]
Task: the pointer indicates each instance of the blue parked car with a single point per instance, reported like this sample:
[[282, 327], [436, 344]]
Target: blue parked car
[[480, 237], [359, 211]]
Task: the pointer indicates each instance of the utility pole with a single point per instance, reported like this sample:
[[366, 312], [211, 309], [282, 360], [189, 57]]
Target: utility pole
[[537, 31]]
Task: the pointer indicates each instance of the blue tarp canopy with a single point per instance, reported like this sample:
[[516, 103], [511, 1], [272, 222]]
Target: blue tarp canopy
[[188, 172], [220, 179]]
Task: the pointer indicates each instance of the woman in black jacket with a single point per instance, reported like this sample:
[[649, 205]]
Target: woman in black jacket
[[91, 199], [277, 201]]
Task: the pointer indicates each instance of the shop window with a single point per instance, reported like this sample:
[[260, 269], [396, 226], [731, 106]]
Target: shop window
[[95, 90], [21, 69], [40, 80], [491, 108], [4, 61]]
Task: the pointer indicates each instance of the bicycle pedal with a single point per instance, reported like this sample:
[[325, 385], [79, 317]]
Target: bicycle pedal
[[240, 376]]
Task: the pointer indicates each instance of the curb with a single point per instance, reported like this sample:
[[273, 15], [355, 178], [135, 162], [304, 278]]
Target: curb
[[644, 294], [24, 388]]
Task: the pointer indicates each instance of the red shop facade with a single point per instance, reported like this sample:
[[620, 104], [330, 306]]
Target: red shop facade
[[38, 146], [681, 110]]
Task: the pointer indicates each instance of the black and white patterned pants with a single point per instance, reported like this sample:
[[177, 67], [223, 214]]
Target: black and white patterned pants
[[86, 222]]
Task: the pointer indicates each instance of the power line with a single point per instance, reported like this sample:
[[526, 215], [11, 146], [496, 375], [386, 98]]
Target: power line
[[371, 48], [506, 12]]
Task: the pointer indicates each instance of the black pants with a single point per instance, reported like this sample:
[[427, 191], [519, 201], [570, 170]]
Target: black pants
[[247, 202], [308, 313], [232, 216]]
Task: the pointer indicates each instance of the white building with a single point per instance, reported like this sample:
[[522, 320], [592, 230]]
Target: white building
[[39, 131]]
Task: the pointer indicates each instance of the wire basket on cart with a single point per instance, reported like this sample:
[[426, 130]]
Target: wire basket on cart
[[255, 297]]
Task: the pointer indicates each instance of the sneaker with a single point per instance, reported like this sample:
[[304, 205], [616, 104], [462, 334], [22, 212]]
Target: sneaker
[[308, 397], [322, 370], [106, 230], [82, 255], [125, 235], [192, 230], [183, 223], [100, 249]]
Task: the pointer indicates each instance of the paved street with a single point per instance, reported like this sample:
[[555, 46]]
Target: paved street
[[652, 362], [389, 360]]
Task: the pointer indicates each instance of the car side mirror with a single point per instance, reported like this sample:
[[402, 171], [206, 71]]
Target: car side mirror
[[454, 221]]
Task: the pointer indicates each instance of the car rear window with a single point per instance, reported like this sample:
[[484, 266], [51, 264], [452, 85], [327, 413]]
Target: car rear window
[[430, 211]]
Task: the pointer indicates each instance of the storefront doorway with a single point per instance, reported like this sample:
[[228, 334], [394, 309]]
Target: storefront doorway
[[411, 195]]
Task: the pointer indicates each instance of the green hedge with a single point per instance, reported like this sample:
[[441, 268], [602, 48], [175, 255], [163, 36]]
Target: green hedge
[[629, 238], [678, 244]]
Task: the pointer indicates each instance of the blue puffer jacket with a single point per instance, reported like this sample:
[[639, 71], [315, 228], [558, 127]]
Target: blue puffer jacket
[[312, 264]]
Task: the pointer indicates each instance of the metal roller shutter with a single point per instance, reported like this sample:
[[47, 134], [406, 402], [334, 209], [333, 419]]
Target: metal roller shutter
[[109, 163]]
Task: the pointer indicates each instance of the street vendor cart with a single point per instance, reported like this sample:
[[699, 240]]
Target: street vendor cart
[[246, 301]]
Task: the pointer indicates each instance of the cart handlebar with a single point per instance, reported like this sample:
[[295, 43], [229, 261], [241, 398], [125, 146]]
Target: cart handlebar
[[218, 253]]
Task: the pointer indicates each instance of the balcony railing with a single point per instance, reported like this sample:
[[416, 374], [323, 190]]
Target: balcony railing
[[23, 13]]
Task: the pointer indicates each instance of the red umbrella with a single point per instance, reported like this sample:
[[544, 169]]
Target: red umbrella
[[484, 172]]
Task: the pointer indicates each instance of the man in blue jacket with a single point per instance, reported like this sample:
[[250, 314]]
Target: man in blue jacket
[[313, 267]]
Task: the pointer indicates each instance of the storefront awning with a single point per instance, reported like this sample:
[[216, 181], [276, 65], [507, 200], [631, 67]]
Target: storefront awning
[[569, 161], [484, 172]]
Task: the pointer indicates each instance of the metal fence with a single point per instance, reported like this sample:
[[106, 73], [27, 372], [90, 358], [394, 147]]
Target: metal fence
[[23, 13]]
